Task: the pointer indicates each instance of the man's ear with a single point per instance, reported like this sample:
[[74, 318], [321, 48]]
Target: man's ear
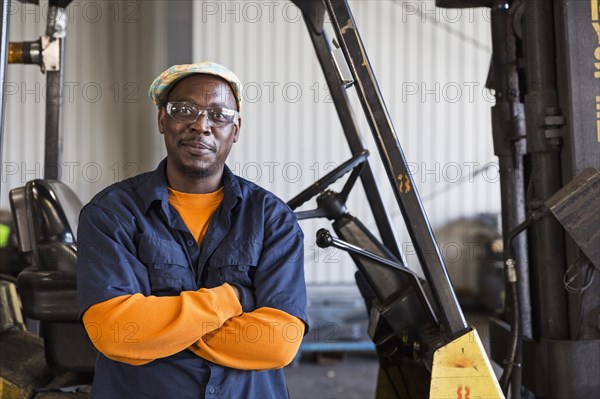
[[162, 114], [236, 135]]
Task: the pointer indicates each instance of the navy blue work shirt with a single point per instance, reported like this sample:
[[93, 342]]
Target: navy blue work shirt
[[130, 240]]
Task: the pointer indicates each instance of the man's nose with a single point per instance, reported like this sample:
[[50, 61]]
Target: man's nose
[[202, 124]]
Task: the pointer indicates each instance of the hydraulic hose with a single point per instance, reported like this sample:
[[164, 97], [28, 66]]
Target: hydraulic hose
[[512, 367]]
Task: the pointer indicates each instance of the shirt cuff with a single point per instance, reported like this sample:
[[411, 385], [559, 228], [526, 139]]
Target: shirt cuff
[[227, 304], [246, 298]]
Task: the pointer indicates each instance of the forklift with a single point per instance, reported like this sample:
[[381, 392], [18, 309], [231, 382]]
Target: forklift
[[545, 74]]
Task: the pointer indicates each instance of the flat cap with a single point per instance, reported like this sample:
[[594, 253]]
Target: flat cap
[[159, 89]]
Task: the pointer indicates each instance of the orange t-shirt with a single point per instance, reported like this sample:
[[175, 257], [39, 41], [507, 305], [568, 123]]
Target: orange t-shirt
[[196, 210]]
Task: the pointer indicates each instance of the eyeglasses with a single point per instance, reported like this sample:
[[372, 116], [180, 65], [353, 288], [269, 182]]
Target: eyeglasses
[[189, 113]]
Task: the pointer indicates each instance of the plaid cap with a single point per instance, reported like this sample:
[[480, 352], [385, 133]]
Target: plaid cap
[[159, 89]]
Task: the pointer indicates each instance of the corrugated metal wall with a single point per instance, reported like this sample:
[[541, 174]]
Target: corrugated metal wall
[[114, 50], [431, 65]]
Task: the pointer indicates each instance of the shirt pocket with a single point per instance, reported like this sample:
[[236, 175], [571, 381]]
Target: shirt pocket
[[168, 268], [234, 265]]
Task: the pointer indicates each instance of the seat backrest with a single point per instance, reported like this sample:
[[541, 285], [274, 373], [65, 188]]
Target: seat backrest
[[18, 205], [46, 214]]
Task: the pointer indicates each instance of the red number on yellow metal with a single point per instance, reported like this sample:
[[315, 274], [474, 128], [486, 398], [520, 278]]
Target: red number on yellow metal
[[459, 392]]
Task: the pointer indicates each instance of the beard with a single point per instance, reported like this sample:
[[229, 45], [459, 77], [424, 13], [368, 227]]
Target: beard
[[200, 172], [196, 172]]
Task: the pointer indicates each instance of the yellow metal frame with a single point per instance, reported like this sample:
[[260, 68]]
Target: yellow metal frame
[[462, 370]]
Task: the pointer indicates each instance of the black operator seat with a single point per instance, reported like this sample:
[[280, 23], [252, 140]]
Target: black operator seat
[[46, 214]]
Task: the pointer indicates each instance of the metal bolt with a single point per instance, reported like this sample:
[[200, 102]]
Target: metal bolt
[[416, 346]]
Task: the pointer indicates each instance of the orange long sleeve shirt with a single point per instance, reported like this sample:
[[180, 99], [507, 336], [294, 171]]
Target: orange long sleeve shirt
[[136, 329]]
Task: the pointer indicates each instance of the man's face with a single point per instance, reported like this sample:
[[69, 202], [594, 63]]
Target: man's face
[[196, 151]]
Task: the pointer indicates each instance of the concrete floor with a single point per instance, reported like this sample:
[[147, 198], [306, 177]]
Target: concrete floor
[[353, 376]]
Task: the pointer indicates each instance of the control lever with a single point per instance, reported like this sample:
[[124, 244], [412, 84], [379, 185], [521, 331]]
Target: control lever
[[325, 240]]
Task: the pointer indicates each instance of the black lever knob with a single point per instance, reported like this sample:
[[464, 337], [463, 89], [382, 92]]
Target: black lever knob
[[324, 238]]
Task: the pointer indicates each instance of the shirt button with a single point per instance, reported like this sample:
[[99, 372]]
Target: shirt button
[[190, 243], [211, 390]]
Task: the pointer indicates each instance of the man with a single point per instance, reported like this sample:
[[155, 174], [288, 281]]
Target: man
[[190, 279]]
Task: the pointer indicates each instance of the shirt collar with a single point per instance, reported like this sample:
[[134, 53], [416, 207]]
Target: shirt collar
[[155, 188]]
